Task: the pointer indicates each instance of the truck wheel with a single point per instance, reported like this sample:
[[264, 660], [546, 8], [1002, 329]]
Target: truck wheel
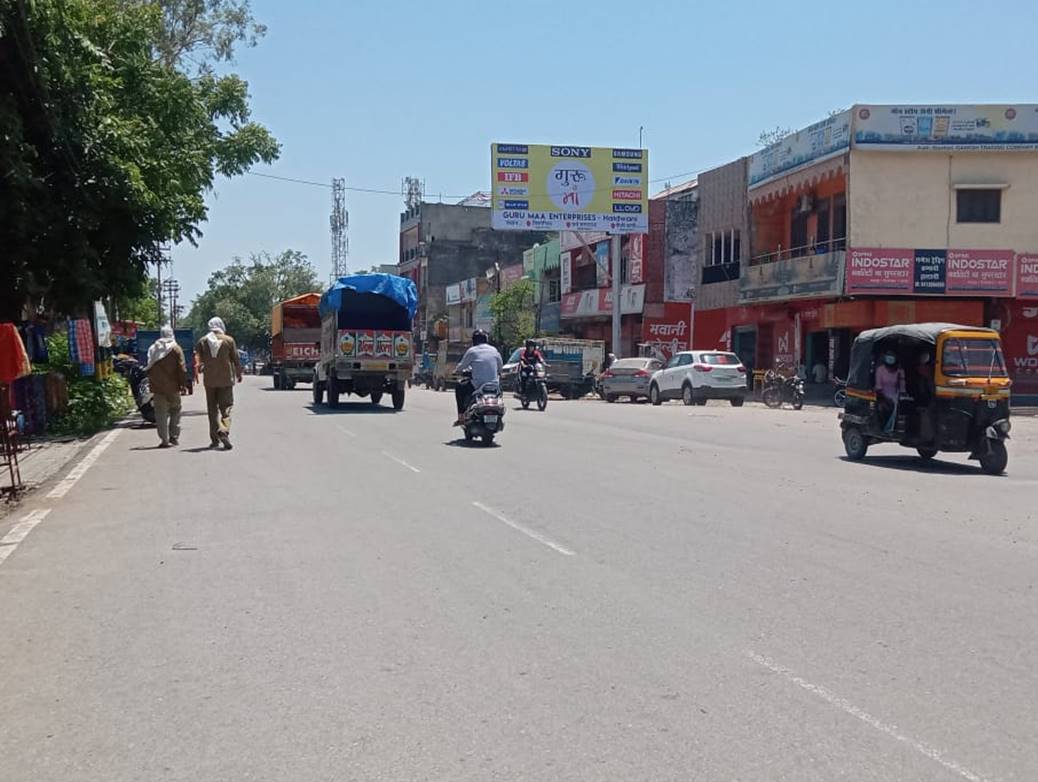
[[333, 393], [318, 392], [277, 381], [288, 383], [488, 440], [376, 397], [398, 398]]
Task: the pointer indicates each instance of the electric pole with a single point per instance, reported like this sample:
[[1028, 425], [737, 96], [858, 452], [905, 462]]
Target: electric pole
[[171, 288]]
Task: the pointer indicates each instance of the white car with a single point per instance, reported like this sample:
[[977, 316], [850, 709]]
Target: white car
[[695, 376]]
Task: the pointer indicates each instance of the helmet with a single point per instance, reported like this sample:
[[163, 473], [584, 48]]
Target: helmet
[[479, 337], [530, 344]]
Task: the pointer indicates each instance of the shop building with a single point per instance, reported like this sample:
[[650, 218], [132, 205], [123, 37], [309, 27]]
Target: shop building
[[586, 304], [442, 244], [888, 214]]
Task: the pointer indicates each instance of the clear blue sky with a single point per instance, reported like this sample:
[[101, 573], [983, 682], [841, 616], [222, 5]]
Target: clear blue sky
[[374, 90]]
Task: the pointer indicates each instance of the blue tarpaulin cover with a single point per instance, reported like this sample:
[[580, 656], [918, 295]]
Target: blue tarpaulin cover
[[397, 289]]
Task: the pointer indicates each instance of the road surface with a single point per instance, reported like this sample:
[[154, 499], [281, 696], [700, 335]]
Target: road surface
[[614, 592]]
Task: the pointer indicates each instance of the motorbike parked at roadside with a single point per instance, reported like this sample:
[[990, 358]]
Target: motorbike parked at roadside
[[532, 385], [140, 386], [779, 389], [840, 394]]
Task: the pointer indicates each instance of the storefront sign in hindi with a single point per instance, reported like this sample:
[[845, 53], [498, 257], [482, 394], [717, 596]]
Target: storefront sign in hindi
[[930, 271], [670, 334], [980, 271], [1027, 276], [566, 271], [880, 270]]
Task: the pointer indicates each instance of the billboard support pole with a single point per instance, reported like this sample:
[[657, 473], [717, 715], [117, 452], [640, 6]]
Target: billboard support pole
[[614, 245]]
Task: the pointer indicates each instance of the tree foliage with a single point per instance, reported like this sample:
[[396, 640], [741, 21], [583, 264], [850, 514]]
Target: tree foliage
[[243, 294], [769, 137], [513, 314], [142, 308], [195, 34], [107, 151]]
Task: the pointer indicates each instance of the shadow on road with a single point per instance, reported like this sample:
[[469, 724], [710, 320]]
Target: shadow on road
[[461, 442], [308, 389], [916, 464], [352, 408]]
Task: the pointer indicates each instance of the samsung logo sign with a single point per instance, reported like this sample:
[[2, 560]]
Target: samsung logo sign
[[628, 153]]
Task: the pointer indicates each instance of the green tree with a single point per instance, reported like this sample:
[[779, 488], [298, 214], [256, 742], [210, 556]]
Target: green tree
[[513, 314], [143, 308], [769, 137], [107, 151], [243, 294]]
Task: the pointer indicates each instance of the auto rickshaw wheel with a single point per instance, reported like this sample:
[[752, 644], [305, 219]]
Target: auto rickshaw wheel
[[993, 461], [854, 443], [926, 453]]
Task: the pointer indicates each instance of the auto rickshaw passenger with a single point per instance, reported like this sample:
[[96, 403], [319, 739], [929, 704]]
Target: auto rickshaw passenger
[[890, 382], [923, 393]]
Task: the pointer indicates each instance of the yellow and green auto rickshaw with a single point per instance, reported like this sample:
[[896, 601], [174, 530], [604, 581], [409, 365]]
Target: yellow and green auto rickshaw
[[929, 386]]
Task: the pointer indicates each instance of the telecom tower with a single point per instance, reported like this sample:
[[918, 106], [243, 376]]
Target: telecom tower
[[413, 192], [339, 222]]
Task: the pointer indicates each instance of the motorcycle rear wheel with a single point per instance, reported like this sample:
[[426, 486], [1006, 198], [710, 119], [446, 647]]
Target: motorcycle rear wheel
[[772, 397]]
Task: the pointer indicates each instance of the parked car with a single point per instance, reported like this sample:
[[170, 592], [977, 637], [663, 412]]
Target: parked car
[[694, 376], [629, 377]]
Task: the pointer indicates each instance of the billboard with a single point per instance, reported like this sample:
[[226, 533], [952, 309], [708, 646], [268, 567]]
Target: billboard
[[913, 127], [548, 187], [1027, 276], [598, 302], [824, 139], [909, 272]]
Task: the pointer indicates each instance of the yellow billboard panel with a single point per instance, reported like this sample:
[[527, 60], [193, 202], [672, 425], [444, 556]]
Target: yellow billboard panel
[[549, 187]]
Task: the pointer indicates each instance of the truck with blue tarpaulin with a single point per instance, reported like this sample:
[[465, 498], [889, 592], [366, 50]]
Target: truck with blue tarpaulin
[[367, 347]]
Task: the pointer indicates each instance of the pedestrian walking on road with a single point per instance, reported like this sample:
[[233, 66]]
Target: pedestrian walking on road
[[221, 367], [167, 376]]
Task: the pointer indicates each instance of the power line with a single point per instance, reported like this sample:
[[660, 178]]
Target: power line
[[398, 193]]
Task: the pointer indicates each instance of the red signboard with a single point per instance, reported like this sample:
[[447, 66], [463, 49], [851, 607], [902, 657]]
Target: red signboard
[[1020, 341], [922, 272], [876, 270], [511, 275], [672, 333], [980, 271], [1027, 276]]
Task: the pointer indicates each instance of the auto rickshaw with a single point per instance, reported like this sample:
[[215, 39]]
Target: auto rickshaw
[[944, 388]]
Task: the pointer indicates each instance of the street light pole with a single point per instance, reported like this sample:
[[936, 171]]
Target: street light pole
[[614, 244]]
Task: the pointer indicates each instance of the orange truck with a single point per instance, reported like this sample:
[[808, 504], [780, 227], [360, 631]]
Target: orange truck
[[295, 340]]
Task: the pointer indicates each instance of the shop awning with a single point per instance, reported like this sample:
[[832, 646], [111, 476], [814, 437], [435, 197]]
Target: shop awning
[[801, 179]]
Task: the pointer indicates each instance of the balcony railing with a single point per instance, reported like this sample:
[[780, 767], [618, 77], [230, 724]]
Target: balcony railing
[[785, 254]]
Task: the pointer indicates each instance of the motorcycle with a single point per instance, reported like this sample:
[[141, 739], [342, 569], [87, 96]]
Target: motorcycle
[[779, 389], [840, 395], [532, 385], [485, 416], [140, 386]]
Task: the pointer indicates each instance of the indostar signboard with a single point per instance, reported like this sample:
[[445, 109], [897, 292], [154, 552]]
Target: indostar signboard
[[899, 271], [542, 187], [946, 127]]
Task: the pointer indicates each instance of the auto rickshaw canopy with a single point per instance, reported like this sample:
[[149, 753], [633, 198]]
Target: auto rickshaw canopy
[[863, 351]]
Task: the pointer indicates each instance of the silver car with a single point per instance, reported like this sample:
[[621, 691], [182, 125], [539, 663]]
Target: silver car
[[629, 377]]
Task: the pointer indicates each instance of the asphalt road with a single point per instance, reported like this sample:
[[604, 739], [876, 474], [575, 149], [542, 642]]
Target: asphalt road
[[613, 592]]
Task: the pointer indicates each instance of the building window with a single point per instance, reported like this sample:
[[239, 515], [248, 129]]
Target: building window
[[722, 247], [978, 206], [554, 290], [840, 221]]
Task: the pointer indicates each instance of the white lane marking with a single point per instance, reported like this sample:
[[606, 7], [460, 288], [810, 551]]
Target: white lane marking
[[884, 727], [19, 532], [77, 472], [346, 431], [401, 462], [526, 530]]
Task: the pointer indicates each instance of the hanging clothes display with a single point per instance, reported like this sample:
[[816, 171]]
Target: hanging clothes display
[[14, 360], [81, 345]]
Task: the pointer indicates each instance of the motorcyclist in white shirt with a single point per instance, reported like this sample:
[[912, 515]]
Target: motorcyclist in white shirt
[[484, 361]]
